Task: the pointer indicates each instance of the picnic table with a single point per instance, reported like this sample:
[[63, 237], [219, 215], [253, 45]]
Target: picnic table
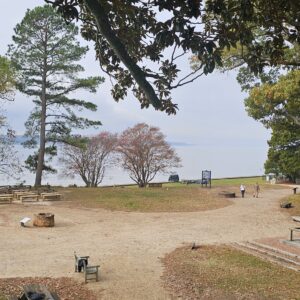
[[29, 197], [18, 194], [6, 198], [50, 196]]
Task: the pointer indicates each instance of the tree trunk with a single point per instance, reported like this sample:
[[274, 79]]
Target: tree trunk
[[142, 184], [41, 156]]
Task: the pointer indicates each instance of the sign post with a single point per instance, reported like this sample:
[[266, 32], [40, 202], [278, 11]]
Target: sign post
[[206, 178]]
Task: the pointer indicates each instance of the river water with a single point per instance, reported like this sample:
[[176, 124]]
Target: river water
[[229, 162]]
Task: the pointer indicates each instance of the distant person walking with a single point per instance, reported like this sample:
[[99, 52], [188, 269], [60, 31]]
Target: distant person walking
[[243, 190], [256, 190]]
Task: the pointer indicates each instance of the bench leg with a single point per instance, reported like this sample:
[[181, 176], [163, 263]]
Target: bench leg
[[291, 237]]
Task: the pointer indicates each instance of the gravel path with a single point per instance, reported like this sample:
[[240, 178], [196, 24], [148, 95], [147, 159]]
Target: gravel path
[[128, 246]]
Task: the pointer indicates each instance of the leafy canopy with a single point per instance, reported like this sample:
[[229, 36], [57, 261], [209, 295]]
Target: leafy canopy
[[277, 106], [140, 42], [7, 79]]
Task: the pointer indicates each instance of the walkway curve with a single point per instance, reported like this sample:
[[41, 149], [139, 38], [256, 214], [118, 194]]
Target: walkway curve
[[128, 246]]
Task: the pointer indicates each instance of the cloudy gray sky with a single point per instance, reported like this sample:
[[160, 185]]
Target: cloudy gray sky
[[210, 131]]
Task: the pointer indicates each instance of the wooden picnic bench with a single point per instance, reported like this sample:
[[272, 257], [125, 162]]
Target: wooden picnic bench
[[4, 199], [155, 184], [90, 272], [36, 291], [29, 197], [297, 229], [51, 196], [18, 194]]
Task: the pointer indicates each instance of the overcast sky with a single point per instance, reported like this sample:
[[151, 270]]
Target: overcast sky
[[210, 131]]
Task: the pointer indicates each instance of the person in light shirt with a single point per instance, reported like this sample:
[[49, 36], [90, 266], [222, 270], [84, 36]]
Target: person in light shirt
[[243, 190]]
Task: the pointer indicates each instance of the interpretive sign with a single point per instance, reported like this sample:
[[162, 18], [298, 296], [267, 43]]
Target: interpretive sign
[[206, 178]]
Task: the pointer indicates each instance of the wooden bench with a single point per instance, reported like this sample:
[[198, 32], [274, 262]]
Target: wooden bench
[[297, 229], [6, 199], [155, 185], [51, 196], [29, 197], [18, 194], [90, 272]]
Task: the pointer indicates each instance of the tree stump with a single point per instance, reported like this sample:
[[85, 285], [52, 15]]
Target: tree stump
[[44, 220]]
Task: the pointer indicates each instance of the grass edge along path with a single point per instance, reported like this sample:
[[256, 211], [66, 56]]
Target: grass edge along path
[[295, 209], [171, 197], [221, 272], [176, 199]]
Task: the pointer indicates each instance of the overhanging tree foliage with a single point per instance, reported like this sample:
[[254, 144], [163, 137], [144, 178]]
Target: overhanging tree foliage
[[261, 67], [139, 42], [277, 106], [46, 54]]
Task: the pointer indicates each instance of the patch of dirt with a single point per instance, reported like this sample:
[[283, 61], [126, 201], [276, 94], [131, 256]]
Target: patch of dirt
[[179, 280], [66, 288], [222, 273], [127, 246]]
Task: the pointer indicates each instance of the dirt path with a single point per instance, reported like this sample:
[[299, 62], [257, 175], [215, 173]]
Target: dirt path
[[128, 246]]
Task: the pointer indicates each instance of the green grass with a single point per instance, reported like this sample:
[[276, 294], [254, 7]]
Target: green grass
[[239, 181], [166, 199], [295, 199], [224, 271], [226, 182], [172, 197]]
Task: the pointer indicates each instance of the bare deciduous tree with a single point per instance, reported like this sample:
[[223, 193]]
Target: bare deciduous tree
[[90, 161], [144, 153]]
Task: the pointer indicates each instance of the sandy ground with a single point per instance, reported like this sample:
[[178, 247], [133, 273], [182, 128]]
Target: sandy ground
[[128, 246]]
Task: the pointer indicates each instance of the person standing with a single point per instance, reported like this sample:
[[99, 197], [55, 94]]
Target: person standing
[[243, 189], [256, 190]]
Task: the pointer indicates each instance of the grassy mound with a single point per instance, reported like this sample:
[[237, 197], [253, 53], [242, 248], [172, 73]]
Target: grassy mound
[[166, 199], [220, 272]]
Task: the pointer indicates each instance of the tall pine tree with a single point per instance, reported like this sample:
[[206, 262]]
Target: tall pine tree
[[46, 54]]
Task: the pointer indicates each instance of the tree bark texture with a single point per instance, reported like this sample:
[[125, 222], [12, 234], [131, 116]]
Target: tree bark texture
[[41, 155]]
